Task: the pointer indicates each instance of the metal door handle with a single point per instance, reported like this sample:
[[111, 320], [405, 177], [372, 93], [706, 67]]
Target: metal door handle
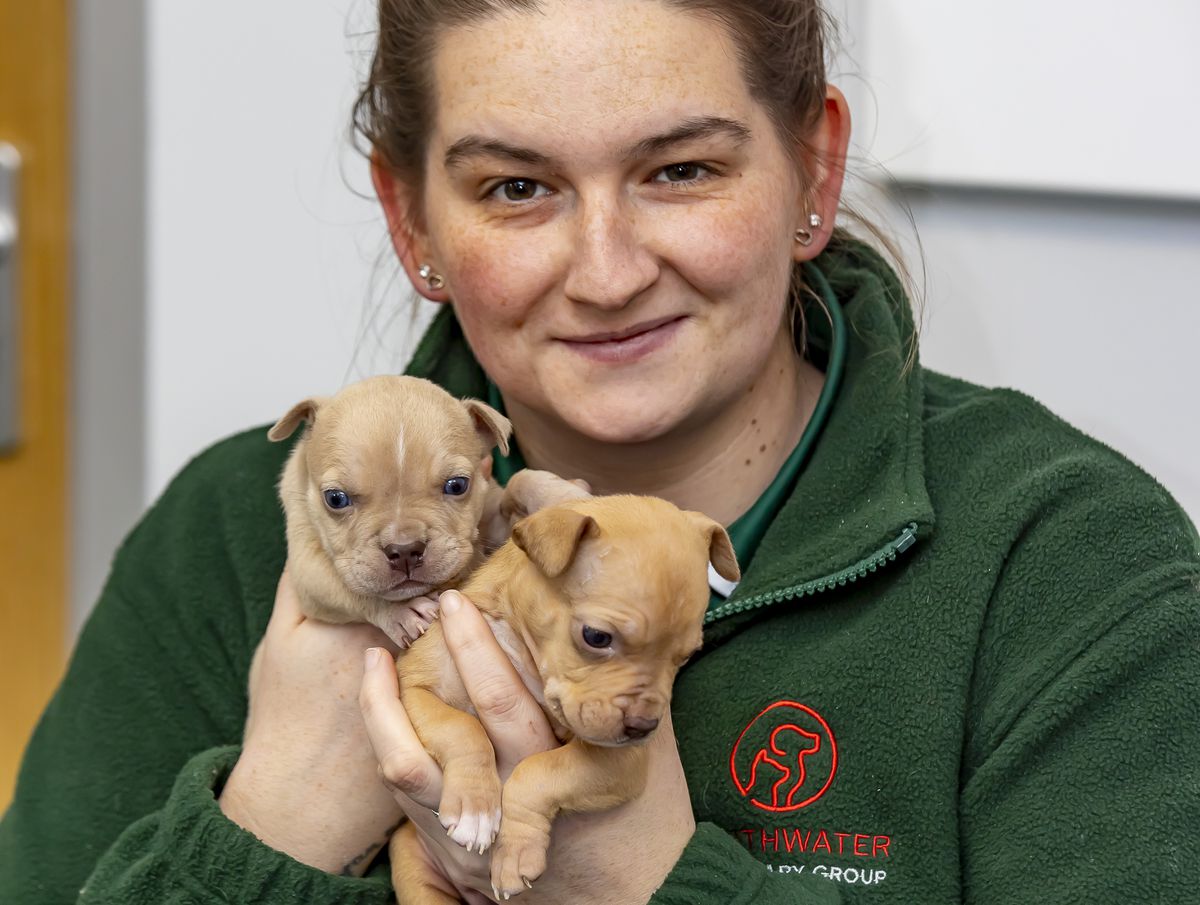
[[10, 372]]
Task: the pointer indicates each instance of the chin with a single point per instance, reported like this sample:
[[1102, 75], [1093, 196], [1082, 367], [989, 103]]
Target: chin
[[624, 421]]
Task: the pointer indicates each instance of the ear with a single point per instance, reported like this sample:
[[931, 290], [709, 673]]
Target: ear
[[401, 209], [494, 429], [720, 548], [825, 173], [551, 537], [301, 411]]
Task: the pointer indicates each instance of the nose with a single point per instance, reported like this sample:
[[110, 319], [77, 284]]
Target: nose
[[610, 265], [405, 557], [639, 727]]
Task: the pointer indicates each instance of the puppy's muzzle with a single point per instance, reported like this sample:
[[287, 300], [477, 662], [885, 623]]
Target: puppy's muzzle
[[405, 557]]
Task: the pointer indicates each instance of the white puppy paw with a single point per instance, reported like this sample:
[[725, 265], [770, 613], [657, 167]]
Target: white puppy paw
[[470, 811], [475, 831]]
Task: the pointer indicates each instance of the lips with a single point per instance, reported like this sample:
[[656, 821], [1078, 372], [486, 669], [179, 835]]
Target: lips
[[621, 335], [628, 344], [405, 589]]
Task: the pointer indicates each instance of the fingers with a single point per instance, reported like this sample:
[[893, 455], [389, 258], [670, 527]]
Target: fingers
[[512, 717], [403, 763]]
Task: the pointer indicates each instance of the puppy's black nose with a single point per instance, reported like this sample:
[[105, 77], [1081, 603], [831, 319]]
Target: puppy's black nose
[[638, 727], [405, 557]]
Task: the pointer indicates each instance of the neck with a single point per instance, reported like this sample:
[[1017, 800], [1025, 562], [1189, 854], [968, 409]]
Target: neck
[[718, 464]]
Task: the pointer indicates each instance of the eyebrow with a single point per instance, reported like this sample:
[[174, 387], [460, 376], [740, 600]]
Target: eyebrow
[[474, 146], [693, 129]]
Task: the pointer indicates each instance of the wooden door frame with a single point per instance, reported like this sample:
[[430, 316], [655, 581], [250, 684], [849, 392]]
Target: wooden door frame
[[35, 118]]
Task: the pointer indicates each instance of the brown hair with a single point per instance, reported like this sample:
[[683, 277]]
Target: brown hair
[[782, 46]]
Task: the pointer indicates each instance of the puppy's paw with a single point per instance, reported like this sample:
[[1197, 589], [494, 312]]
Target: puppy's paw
[[427, 608], [518, 859], [530, 490], [406, 622], [470, 811]]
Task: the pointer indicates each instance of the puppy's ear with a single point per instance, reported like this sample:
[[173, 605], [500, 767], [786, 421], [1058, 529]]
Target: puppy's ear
[[301, 411], [551, 537], [494, 429], [720, 548]]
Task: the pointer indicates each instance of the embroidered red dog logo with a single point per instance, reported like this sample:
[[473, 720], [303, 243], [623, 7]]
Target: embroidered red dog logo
[[785, 758]]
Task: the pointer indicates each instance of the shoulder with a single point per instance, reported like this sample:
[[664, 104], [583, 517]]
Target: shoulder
[[1017, 463]]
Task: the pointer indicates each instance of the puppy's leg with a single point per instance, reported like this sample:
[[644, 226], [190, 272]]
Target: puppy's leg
[[576, 777], [530, 490], [470, 805], [415, 882]]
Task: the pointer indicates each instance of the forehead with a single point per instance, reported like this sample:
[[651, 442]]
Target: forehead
[[651, 574], [597, 73], [410, 433]]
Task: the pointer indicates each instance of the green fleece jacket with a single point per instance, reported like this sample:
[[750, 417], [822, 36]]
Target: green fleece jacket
[[962, 666]]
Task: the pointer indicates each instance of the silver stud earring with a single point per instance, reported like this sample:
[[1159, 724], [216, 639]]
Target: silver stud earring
[[805, 236], [434, 281]]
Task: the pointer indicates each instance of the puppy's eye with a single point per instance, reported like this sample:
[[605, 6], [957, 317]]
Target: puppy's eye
[[337, 499], [593, 637], [456, 486]]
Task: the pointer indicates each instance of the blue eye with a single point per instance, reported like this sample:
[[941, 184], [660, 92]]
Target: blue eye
[[337, 499], [456, 486], [593, 637]]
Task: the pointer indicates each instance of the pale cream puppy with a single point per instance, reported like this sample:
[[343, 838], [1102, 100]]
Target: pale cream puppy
[[598, 602], [384, 496]]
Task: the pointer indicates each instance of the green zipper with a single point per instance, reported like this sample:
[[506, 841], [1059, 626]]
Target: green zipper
[[885, 554]]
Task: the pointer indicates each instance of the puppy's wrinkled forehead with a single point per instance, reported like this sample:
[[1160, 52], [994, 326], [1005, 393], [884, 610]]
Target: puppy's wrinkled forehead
[[647, 571], [417, 437]]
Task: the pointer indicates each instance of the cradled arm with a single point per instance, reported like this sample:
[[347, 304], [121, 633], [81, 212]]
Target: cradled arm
[[1091, 793], [1081, 767], [118, 791]]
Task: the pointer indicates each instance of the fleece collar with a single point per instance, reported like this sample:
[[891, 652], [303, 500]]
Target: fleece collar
[[861, 498]]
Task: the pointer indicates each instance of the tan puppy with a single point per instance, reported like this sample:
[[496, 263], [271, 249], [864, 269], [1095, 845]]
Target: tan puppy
[[598, 603], [384, 495]]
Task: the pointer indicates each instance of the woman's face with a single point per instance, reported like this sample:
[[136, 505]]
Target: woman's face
[[613, 214]]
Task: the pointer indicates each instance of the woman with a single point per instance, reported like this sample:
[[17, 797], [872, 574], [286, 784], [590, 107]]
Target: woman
[[961, 662]]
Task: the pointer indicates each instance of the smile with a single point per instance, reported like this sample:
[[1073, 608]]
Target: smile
[[626, 345]]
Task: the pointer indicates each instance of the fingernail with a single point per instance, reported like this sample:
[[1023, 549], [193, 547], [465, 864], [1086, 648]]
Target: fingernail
[[450, 602], [372, 657]]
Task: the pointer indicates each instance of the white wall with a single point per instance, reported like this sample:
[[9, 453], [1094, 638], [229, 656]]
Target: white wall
[[267, 278], [1090, 96], [262, 264]]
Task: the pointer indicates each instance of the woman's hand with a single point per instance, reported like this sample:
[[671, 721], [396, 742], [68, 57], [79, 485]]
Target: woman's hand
[[307, 782], [615, 856]]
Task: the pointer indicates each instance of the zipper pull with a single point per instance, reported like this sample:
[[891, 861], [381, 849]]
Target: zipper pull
[[907, 538]]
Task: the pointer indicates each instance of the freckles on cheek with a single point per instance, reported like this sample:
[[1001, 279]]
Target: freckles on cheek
[[497, 281], [739, 249]]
